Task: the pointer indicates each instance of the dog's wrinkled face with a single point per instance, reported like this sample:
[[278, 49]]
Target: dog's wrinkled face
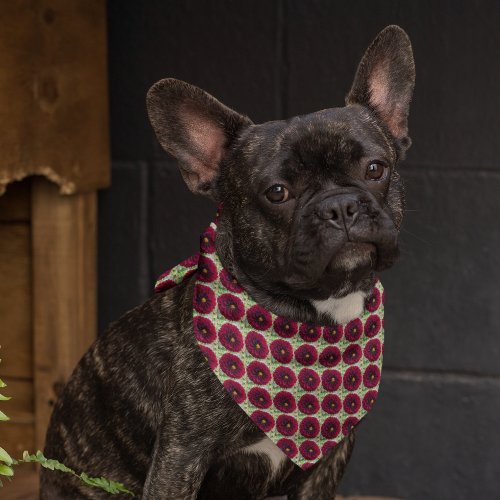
[[312, 205]]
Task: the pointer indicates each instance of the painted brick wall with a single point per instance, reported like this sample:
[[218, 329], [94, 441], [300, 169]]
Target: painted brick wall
[[434, 433]]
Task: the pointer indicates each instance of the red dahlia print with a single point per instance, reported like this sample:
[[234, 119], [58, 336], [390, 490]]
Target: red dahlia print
[[204, 330], [207, 241], [229, 281], [207, 271], [309, 427], [282, 351], [263, 420], [330, 356], [306, 355], [209, 356], [285, 402], [309, 332], [256, 345], [352, 403], [373, 349], [332, 334], [309, 450], [383, 297], [203, 299], [258, 372], [284, 377], [352, 354], [259, 397], [372, 325], [231, 306], [352, 378], [330, 428], [369, 400], [191, 261], [348, 425], [329, 445], [372, 303], [331, 404], [231, 365], [236, 390], [288, 447], [286, 425], [371, 377], [309, 404], [307, 465], [259, 318], [353, 330], [284, 327], [331, 380], [308, 379], [230, 337]]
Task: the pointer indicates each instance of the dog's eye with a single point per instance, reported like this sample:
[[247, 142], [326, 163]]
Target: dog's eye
[[277, 193], [375, 171]]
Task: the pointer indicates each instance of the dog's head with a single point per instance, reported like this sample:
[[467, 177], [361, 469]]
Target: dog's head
[[313, 204]]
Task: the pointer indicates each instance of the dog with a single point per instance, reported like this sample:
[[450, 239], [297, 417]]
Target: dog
[[311, 211]]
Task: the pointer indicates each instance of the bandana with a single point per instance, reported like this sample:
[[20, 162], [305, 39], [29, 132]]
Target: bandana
[[305, 385]]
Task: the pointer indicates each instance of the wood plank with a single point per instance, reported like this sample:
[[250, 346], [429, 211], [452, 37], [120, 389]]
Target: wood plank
[[15, 203], [64, 289], [24, 484], [15, 301]]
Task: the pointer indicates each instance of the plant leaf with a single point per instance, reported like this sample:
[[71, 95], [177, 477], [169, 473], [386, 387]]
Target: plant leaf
[[5, 457], [3, 416], [5, 470], [4, 398]]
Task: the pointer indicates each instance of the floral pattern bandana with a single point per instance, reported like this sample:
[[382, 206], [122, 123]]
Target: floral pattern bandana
[[305, 385]]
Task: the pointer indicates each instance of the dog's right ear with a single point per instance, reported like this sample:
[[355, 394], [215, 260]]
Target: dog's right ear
[[195, 128]]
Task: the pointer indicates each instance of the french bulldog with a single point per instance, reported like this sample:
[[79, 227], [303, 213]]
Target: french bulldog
[[312, 208]]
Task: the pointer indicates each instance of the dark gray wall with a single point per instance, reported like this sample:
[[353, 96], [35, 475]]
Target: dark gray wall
[[435, 431]]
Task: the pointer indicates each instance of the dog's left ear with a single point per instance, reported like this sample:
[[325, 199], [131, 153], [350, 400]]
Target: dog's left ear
[[384, 81]]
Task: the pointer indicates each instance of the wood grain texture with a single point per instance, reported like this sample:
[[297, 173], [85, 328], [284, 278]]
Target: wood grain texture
[[53, 93], [65, 290], [15, 203]]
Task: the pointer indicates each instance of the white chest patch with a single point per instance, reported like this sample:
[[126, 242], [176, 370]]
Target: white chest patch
[[344, 309], [267, 447]]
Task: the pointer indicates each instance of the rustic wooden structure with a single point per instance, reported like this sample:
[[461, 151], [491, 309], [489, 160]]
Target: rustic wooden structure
[[54, 119]]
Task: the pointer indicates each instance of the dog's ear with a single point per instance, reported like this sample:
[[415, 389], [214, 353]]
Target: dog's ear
[[384, 81], [195, 128]]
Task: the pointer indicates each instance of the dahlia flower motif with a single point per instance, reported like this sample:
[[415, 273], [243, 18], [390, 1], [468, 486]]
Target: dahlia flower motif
[[306, 355], [207, 271], [282, 351], [263, 420], [373, 349], [259, 318], [309, 427], [372, 303], [259, 397], [256, 345], [285, 402], [309, 404], [371, 377], [309, 450], [204, 330], [331, 380], [348, 424], [231, 307], [230, 337], [353, 330], [207, 240], [330, 428], [209, 356], [236, 390], [352, 378], [329, 445], [284, 377], [330, 356], [369, 400], [332, 334], [286, 425], [309, 332], [331, 404], [308, 379], [284, 327], [258, 373], [372, 325], [230, 282], [191, 261], [203, 299], [231, 365], [288, 447], [352, 354], [352, 403]]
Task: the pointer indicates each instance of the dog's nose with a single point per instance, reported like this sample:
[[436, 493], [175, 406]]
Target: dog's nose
[[340, 210]]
